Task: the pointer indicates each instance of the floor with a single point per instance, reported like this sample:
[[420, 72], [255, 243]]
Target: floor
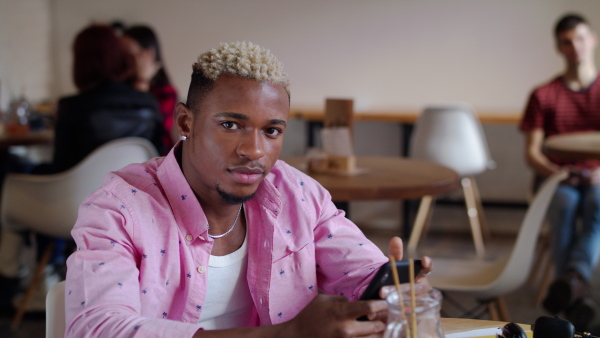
[[449, 236]]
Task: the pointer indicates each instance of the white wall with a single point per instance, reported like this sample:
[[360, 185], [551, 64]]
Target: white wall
[[396, 54], [25, 27]]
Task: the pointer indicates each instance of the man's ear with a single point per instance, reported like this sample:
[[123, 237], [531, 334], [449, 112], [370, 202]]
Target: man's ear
[[184, 119]]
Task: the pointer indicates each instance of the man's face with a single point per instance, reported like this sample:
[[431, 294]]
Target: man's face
[[234, 137], [577, 45]]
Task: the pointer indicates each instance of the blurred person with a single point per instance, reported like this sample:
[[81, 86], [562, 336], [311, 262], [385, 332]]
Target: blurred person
[[220, 238], [151, 75], [569, 103], [106, 108]]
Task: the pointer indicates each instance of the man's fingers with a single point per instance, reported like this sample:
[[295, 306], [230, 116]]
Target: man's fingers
[[365, 329], [396, 248], [363, 308], [427, 264]]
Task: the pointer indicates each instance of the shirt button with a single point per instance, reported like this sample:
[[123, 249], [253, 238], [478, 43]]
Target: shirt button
[[260, 300], [202, 238], [189, 237], [201, 269]]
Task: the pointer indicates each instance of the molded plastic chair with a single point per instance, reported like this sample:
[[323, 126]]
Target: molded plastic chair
[[48, 204], [452, 136], [488, 281], [55, 311]]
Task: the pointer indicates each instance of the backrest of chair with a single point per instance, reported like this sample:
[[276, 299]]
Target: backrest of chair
[[519, 263], [48, 203], [453, 137], [55, 311]]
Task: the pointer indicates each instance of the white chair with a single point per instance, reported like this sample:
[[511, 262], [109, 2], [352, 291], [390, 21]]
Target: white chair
[[488, 281], [55, 311], [452, 136], [48, 204]]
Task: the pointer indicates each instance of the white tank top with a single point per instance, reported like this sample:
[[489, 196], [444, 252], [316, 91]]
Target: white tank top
[[228, 303]]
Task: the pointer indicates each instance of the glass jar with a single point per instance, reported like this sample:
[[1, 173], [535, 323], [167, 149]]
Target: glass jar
[[428, 302]]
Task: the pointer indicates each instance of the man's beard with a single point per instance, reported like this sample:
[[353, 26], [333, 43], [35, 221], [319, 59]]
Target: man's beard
[[232, 199]]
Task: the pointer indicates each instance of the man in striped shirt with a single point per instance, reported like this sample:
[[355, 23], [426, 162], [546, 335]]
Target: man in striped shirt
[[569, 103]]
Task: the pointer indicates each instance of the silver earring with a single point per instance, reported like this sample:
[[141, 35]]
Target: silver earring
[[183, 137]]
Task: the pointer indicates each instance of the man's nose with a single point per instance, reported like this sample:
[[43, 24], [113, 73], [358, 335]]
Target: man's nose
[[252, 146]]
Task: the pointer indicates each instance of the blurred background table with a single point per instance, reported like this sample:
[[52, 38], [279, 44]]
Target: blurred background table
[[26, 139], [384, 178], [583, 145]]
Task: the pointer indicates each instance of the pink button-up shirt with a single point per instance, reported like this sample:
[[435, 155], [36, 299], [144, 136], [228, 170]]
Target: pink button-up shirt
[[142, 260]]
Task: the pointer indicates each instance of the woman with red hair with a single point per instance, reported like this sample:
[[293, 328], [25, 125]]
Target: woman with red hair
[[107, 107], [151, 75]]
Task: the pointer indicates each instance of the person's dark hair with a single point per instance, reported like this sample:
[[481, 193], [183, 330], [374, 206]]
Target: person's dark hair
[[147, 39], [99, 56], [568, 22]]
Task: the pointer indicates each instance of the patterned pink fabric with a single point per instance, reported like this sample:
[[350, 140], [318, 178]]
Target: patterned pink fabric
[[143, 250]]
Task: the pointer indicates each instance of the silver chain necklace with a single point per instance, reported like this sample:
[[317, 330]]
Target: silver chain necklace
[[232, 226]]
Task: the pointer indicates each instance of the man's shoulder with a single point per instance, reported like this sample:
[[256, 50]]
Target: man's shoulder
[[284, 177], [555, 84], [136, 176]]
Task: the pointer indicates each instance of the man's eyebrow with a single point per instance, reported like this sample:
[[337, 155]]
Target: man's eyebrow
[[240, 116], [232, 115], [278, 122]]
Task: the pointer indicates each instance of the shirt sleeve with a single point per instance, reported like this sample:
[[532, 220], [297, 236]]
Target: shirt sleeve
[[102, 296], [346, 259], [533, 118]]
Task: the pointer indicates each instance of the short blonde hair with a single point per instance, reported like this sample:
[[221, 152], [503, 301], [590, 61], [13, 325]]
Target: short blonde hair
[[243, 59]]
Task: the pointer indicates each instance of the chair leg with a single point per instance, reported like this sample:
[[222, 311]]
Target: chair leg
[[35, 280], [493, 310], [471, 204], [420, 220], [502, 309], [485, 229]]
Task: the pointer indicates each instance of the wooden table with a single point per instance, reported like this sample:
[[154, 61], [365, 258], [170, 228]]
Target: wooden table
[[385, 178], [30, 138], [404, 118], [455, 325], [393, 178], [577, 146]]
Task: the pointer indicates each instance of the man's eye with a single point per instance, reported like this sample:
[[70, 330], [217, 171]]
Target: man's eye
[[229, 125], [274, 131]]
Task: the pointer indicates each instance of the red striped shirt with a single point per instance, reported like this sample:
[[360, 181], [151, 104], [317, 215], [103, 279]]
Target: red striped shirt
[[557, 109]]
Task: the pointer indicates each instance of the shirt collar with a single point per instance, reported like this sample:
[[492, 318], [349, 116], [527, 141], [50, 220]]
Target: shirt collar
[[185, 206]]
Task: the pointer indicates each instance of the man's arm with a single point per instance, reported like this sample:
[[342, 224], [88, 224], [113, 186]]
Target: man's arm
[[534, 156], [325, 316]]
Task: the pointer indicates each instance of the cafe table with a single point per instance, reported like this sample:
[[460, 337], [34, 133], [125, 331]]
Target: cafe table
[[456, 325], [576, 146], [384, 178], [26, 139]]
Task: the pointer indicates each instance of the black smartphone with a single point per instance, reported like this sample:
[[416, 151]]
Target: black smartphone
[[385, 277]]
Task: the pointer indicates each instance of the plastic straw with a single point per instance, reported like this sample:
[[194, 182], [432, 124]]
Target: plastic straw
[[399, 291], [413, 301]]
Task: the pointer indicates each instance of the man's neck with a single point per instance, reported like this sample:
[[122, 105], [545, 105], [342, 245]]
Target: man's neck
[[579, 77]]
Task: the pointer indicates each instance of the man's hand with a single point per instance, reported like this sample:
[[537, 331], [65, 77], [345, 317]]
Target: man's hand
[[396, 249], [335, 316]]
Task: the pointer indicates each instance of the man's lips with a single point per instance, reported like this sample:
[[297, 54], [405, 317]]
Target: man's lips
[[246, 175]]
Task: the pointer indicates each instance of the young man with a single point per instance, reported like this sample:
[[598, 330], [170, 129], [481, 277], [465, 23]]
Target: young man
[[219, 238], [570, 103]]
